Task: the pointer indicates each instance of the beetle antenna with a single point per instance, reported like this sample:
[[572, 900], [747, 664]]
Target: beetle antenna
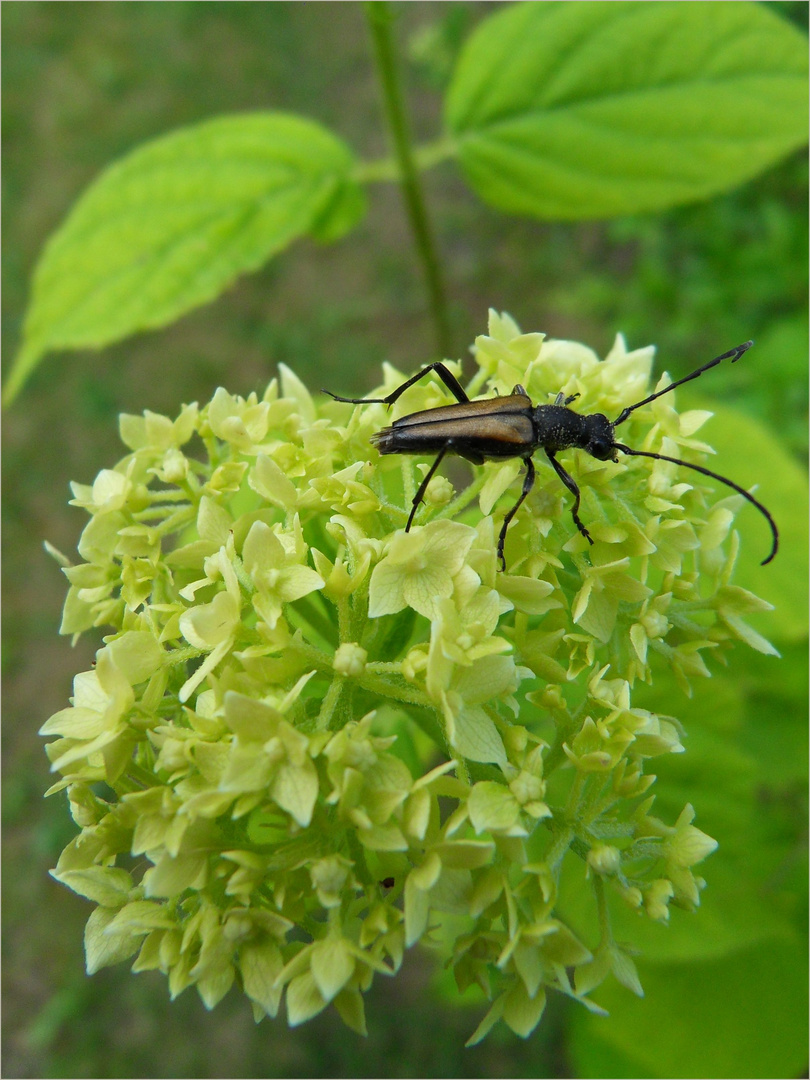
[[715, 476], [733, 354]]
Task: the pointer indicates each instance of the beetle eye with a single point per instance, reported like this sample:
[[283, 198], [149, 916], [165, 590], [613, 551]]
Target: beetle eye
[[600, 449], [600, 436]]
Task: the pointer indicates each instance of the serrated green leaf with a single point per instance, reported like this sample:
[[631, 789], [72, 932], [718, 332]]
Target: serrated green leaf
[[574, 110], [173, 223]]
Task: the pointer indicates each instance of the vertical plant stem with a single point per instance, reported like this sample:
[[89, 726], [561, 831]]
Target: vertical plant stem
[[602, 908], [379, 16]]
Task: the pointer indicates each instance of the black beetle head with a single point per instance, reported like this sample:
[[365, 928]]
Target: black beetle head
[[599, 432]]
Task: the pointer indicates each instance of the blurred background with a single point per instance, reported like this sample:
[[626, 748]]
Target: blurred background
[[84, 83]]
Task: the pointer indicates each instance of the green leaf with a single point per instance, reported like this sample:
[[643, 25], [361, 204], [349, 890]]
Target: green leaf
[[173, 223], [574, 110]]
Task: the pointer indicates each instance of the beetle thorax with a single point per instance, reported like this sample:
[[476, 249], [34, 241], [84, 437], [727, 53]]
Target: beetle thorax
[[560, 428]]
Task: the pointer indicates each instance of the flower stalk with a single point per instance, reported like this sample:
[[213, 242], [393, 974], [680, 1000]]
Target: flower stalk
[[379, 16]]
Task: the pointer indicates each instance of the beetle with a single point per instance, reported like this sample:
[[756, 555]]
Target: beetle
[[512, 426]]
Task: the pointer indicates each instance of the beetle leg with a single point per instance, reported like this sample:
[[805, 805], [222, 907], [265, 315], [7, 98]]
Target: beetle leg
[[528, 484], [423, 486], [571, 484], [447, 377]]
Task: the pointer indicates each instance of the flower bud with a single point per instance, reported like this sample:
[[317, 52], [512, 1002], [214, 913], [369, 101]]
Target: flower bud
[[350, 659], [605, 860]]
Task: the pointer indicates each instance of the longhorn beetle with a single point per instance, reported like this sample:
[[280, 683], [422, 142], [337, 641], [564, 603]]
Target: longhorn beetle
[[511, 426]]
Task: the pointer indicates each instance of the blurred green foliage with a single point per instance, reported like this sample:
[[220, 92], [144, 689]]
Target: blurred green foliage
[[83, 83]]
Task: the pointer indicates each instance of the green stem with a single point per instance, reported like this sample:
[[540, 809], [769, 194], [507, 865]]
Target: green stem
[[382, 687], [383, 171], [328, 705], [605, 935], [465, 497], [379, 17], [559, 846], [567, 724], [178, 519], [386, 170], [575, 796]]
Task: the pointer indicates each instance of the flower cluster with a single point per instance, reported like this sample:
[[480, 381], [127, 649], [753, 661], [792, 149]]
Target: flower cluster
[[311, 740]]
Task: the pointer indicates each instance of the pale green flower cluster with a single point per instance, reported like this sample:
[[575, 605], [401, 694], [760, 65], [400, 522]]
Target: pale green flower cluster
[[312, 740]]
